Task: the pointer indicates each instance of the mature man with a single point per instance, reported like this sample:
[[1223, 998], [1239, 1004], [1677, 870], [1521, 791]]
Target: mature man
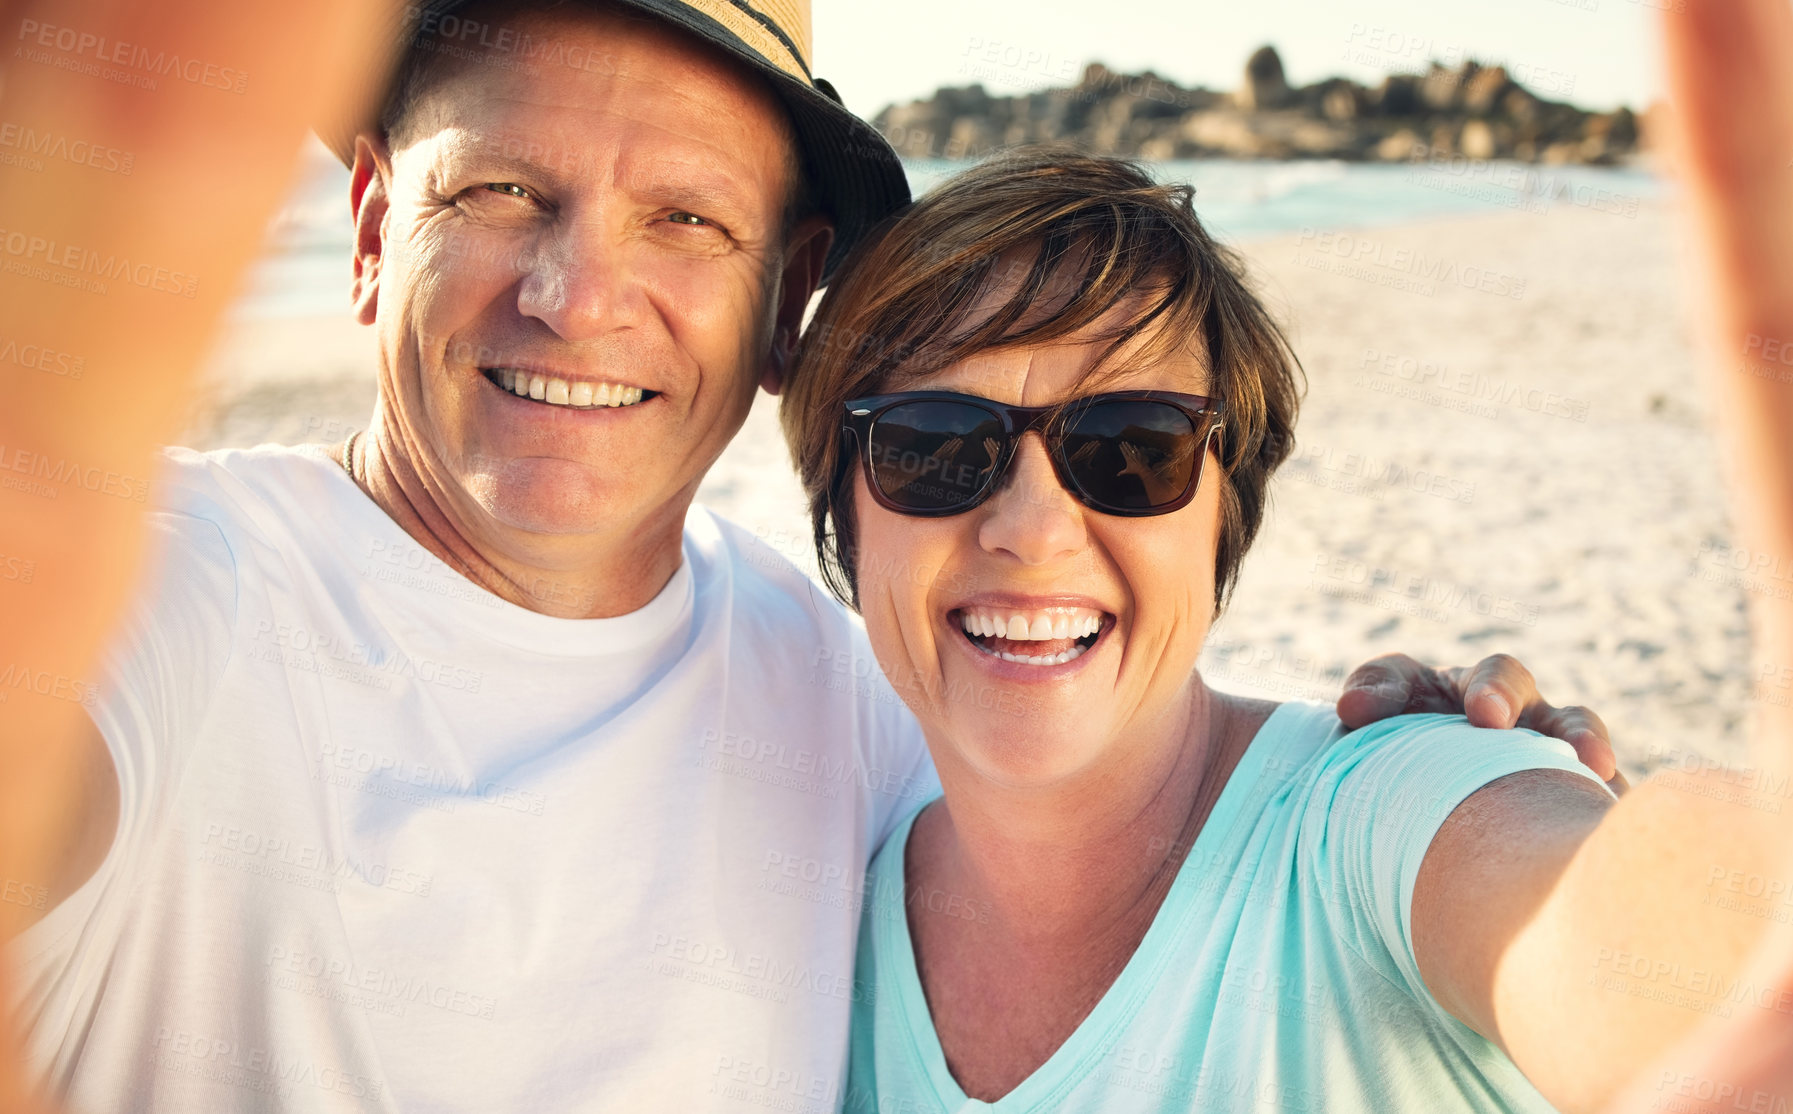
[[464, 765]]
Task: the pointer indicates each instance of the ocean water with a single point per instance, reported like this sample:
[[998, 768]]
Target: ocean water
[[304, 267]]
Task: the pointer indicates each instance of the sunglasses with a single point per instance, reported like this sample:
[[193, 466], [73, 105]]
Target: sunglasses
[[1131, 453]]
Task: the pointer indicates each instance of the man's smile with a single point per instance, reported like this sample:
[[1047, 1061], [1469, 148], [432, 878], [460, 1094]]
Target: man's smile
[[575, 394]]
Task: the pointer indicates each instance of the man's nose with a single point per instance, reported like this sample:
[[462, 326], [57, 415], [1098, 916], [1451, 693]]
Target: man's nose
[[1032, 517], [576, 279]]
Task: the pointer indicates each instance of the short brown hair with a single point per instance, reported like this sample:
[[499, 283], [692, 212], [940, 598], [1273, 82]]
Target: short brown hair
[[902, 309]]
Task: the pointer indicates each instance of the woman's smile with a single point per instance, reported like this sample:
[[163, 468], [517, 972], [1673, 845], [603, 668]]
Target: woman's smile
[[1040, 635]]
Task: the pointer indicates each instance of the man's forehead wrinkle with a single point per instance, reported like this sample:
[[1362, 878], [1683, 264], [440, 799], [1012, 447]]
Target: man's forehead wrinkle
[[688, 159], [645, 60]]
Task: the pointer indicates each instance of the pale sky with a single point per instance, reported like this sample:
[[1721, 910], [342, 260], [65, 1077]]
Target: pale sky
[[1595, 53]]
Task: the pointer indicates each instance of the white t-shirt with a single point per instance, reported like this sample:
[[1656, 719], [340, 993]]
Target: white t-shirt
[[390, 843]]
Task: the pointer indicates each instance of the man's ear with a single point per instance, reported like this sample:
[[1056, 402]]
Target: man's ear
[[806, 250], [369, 199]]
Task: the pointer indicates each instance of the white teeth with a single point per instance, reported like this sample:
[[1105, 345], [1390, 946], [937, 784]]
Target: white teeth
[[561, 392], [1038, 626], [1044, 659]]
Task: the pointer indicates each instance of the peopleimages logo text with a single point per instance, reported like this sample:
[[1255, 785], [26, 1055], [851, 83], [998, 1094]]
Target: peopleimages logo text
[[27, 248], [130, 56]]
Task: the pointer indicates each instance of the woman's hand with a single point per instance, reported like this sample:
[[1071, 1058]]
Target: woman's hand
[[1498, 692]]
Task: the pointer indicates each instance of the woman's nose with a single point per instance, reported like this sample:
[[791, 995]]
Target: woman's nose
[[1032, 517]]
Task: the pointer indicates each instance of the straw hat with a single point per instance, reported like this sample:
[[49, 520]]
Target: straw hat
[[855, 175]]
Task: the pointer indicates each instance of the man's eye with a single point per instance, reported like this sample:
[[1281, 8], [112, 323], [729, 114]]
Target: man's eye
[[508, 188], [686, 218]]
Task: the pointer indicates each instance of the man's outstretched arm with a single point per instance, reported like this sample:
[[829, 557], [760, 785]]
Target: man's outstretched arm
[[121, 262]]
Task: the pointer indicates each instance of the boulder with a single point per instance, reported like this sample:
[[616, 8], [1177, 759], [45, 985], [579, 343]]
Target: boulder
[[1340, 101], [1401, 146], [1562, 153], [1467, 109], [1476, 141], [1398, 95], [1484, 90], [1221, 130], [971, 137], [1265, 86], [1615, 129], [1517, 103], [1441, 89]]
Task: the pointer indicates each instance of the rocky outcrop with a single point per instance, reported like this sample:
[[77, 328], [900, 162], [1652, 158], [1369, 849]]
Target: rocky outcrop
[[1469, 110], [1265, 86]]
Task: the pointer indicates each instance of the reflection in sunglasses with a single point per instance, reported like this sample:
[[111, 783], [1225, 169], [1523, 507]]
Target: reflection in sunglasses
[[1161, 480], [1127, 453]]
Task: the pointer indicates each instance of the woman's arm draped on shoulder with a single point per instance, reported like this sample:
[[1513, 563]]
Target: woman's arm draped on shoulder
[[1629, 956], [123, 242]]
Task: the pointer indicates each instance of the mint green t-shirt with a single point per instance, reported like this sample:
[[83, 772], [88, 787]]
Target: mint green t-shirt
[[1279, 973]]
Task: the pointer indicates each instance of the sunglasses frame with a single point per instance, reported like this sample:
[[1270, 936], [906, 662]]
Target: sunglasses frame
[[1206, 414]]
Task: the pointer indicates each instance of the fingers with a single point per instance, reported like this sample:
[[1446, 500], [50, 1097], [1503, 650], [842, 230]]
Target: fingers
[[1392, 685], [1497, 691], [1584, 731], [1501, 692], [1377, 689]]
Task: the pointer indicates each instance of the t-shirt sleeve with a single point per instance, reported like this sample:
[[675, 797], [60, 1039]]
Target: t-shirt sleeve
[[1378, 798], [154, 685], [165, 660], [904, 749]]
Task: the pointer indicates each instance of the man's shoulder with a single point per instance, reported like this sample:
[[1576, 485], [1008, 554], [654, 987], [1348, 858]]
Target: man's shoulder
[[236, 486], [764, 579], [208, 514]]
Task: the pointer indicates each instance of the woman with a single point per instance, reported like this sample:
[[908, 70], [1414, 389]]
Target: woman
[[1036, 420]]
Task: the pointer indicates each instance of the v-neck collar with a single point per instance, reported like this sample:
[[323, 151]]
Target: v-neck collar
[[1094, 1038]]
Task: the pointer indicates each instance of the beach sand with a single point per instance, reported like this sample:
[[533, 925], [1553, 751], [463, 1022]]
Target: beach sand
[[1505, 447]]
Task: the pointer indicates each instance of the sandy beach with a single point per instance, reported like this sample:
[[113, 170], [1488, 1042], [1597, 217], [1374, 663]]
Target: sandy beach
[[1504, 448]]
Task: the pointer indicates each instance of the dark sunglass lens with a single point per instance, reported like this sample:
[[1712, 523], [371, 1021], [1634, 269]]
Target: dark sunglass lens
[[934, 455], [1131, 456]]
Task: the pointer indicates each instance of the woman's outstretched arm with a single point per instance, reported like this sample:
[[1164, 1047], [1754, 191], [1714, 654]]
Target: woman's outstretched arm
[[1639, 953]]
